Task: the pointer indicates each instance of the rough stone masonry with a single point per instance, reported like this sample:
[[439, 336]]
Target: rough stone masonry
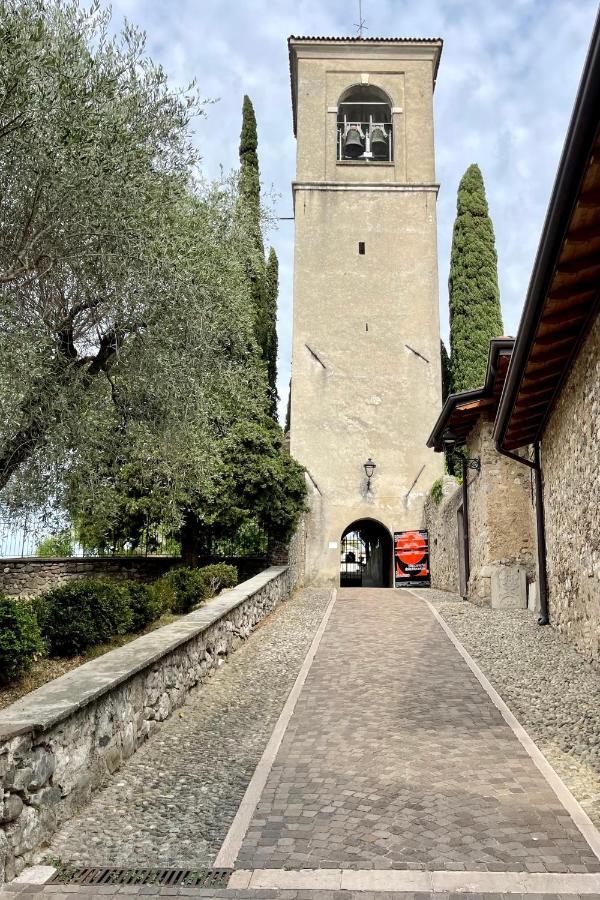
[[61, 742]]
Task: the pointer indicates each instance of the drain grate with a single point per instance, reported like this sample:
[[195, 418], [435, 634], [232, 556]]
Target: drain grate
[[169, 877]]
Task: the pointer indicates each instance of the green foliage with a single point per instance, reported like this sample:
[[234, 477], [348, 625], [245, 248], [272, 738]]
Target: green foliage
[[58, 544], [95, 156], [250, 174], [145, 605], [249, 540], [268, 328], [475, 314], [20, 639], [163, 594], [217, 577], [263, 280], [256, 481], [437, 490], [133, 383], [80, 614], [288, 410], [189, 588], [446, 372]]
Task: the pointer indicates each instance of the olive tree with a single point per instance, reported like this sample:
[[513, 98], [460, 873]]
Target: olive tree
[[95, 153]]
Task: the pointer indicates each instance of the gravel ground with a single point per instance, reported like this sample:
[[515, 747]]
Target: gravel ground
[[550, 688], [172, 803]]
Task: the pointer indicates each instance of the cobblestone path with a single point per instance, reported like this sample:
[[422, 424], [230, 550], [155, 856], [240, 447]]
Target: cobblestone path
[[396, 758], [397, 776], [171, 804]]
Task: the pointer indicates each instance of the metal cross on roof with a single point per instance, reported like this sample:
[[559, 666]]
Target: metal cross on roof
[[360, 26]]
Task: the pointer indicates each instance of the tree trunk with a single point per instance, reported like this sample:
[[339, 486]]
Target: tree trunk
[[190, 540]]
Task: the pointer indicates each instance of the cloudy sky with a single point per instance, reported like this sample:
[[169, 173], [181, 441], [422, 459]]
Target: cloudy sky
[[505, 90]]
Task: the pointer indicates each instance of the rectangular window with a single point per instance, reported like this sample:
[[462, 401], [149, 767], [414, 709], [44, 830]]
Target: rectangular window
[[361, 248]]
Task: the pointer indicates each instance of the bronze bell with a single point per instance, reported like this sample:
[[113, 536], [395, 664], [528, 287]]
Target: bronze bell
[[353, 144], [379, 143]]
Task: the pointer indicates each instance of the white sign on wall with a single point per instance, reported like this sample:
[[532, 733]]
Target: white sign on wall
[[333, 545]]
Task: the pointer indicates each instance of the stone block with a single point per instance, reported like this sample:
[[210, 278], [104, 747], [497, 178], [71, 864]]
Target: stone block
[[47, 797], [13, 807], [21, 779], [112, 757], [43, 763], [26, 833], [509, 587], [533, 597]]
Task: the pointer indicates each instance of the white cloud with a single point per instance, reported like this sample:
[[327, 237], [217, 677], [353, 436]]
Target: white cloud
[[505, 91]]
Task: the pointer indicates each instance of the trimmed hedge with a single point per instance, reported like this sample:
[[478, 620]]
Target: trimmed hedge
[[146, 605], [189, 588], [217, 577], [183, 589], [80, 614], [20, 639], [77, 615]]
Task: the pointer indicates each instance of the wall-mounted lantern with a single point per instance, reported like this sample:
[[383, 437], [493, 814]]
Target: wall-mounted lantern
[[369, 468]]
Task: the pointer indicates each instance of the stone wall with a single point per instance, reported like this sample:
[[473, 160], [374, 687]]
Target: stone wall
[[296, 558], [26, 577], [441, 523], [501, 515], [501, 525], [571, 473], [62, 742]]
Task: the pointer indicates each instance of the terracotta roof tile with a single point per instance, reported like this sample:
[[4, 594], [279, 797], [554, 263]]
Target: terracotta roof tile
[[295, 37]]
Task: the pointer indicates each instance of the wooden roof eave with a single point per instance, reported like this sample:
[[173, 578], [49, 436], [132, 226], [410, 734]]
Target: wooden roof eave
[[563, 290]]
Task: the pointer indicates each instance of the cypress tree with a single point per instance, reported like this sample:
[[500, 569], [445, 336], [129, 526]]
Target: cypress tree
[[446, 372], [250, 204], [250, 173], [288, 411], [475, 313], [269, 327]]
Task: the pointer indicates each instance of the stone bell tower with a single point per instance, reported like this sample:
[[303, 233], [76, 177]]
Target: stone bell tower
[[366, 377]]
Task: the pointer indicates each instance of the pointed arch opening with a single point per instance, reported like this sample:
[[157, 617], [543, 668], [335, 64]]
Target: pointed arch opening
[[366, 555]]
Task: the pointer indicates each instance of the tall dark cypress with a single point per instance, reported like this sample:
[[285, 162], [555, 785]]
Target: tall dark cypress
[[288, 411], [475, 313], [446, 372], [250, 204], [269, 326], [250, 173]]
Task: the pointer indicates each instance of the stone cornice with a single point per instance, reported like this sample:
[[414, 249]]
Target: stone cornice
[[432, 187]]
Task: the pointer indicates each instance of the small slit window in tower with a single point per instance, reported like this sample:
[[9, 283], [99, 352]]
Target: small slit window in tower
[[364, 125], [361, 248]]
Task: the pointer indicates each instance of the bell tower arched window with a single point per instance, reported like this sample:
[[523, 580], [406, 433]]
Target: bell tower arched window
[[364, 125]]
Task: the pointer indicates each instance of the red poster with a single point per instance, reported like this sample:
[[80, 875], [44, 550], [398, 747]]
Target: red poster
[[411, 559]]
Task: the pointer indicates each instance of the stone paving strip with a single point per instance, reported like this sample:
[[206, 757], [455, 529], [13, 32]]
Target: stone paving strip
[[302, 894], [172, 803], [396, 758], [550, 688]]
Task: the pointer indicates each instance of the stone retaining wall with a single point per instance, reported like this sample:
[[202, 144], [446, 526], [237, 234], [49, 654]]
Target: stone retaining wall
[[61, 742], [26, 577], [571, 473]]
